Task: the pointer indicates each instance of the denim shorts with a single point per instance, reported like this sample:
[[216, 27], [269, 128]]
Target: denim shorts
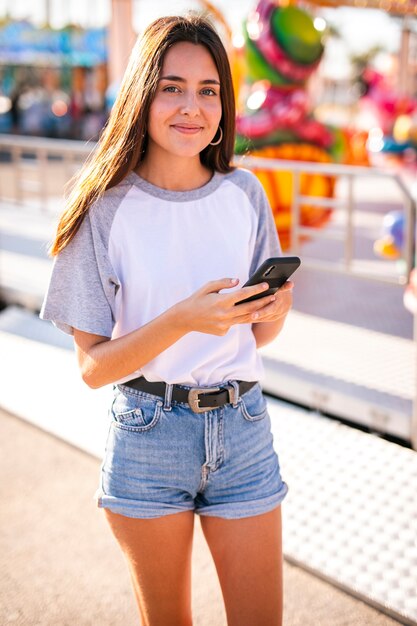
[[162, 458]]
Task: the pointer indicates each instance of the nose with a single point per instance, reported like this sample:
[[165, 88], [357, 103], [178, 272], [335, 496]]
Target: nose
[[189, 105]]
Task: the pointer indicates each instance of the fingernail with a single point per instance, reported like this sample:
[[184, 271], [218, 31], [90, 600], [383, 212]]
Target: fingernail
[[234, 280], [265, 285], [272, 299], [255, 316]]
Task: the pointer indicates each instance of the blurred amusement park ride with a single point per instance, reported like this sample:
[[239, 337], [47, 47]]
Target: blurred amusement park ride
[[283, 45]]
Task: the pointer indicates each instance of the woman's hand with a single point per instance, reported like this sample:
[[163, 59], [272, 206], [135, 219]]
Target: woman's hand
[[280, 307], [272, 317], [208, 311]]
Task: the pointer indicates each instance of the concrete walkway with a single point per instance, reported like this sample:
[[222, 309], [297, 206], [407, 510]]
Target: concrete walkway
[[60, 565]]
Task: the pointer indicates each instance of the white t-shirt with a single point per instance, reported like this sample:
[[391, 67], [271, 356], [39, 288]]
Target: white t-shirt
[[141, 249]]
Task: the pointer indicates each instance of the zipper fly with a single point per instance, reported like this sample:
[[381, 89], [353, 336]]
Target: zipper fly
[[214, 444]]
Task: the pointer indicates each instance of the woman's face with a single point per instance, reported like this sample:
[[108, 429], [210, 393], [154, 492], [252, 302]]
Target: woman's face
[[185, 113]]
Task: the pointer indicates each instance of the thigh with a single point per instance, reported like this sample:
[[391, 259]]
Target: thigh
[[158, 552], [247, 553]]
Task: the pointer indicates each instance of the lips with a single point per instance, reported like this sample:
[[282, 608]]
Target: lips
[[186, 129]]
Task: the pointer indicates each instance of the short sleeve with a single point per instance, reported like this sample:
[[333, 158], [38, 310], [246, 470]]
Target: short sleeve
[[83, 285], [267, 242]]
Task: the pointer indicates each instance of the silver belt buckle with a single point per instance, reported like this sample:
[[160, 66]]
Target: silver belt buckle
[[233, 393], [194, 400]]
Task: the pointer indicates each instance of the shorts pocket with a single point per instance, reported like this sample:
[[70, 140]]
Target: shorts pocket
[[253, 404], [135, 413]]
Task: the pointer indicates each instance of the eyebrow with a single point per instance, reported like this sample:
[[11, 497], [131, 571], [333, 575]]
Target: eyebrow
[[179, 79]]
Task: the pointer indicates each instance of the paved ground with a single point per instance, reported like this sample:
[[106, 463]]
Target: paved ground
[[60, 566]]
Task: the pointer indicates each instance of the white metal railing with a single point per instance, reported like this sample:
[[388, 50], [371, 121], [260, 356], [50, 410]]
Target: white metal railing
[[71, 154], [29, 153], [350, 172]]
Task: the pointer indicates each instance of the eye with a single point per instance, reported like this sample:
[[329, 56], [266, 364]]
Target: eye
[[171, 89], [208, 92]]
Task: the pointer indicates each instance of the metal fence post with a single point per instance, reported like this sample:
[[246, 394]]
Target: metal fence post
[[349, 224], [16, 154], [413, 425], [412, 227], [295, 213], [43, 178], [410, 236]]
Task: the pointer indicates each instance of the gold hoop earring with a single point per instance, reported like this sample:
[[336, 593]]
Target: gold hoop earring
[[216, 143]]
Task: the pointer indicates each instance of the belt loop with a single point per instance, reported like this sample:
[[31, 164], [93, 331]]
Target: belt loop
[[235, 386], [168, 396]]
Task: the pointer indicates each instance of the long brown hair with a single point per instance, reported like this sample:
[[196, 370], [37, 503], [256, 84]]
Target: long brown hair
[[123, 142]]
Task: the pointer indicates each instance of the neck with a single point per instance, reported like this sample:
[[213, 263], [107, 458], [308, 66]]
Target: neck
[[174, 174]]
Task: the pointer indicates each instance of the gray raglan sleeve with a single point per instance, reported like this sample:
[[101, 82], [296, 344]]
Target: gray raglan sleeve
[[266, 241], [83, 285]]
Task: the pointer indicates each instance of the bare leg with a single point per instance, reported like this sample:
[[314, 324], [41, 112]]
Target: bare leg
[[158, 552], [247, 553]]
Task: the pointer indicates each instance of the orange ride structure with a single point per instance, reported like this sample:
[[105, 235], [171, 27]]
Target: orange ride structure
[[283, 48]]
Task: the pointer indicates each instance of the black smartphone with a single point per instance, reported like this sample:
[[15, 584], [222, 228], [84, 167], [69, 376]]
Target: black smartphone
[[274, 271]]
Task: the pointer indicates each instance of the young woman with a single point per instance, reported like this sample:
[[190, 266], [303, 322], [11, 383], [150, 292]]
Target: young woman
[[158, 237]]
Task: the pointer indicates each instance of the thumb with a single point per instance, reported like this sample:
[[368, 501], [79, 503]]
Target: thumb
[[214, 286]]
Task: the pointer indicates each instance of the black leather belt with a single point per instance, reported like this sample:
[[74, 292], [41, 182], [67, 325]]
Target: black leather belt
[[200, 399]]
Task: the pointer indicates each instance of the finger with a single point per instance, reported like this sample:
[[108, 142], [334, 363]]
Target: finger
[[215, 286], [271, 308], [288, 286], [274, 310], [248, 308], [270, 311], [246, 319], [262, 317], [247, 292]]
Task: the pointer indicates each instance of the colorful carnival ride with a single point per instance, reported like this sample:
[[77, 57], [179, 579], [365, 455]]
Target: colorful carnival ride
[[282, 50], [283, 47]]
